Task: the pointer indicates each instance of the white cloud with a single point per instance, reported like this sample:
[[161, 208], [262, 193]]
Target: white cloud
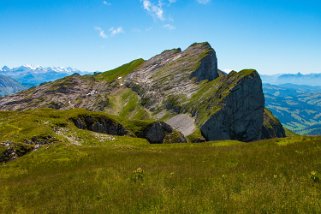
[[203, 1], [106, 2], [101, 32], [116, 30], [155, 10], [169, 27], [113, 31]]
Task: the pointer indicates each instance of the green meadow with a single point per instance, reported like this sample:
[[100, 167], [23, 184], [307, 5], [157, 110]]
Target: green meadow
[[128, 175]]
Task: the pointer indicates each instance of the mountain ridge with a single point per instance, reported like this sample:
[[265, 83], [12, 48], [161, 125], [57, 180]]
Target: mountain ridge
[[313, 79], [9, 86], [167, 85]]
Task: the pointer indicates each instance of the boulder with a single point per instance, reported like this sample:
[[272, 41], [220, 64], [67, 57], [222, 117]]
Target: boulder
[[160, 132]]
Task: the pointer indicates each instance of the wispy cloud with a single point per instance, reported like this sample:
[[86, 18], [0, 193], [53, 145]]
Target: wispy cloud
[[203, 1], [116, 30], [106, 2], [101, 32], [156, 10], [113, 31], [169, 27]]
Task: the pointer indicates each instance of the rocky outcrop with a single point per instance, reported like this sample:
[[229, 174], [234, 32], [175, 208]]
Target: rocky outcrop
[[173, 72], [160, 132], [41, 140], [272, 128], [7, 152], [10, 151], [155, 133], [207, 69], [100, 124], [240, 116]]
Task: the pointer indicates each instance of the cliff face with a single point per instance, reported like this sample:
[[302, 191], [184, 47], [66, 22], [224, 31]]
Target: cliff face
[[184, 88], [208, 69], [241, 114]]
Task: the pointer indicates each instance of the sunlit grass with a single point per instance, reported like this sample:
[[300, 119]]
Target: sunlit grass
[[135, 177]]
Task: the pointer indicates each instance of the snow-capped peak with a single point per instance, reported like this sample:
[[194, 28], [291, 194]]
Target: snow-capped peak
[[32, 67], [40, 69], [33, 75]]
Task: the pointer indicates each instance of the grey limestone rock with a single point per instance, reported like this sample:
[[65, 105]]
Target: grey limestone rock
[[241, 116]]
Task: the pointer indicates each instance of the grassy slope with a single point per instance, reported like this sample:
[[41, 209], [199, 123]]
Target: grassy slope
[[268, 176], [124, 102], [121, 71], [127, 104], [20, 126]]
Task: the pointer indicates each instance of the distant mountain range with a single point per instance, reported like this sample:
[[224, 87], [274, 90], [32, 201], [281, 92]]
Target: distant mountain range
[[30, 76], [298, 79], [9, 86], [298, 107]]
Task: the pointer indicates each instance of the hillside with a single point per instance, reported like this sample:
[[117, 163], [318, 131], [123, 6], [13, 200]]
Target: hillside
[[9, 86], [183, 88], [297, 106]]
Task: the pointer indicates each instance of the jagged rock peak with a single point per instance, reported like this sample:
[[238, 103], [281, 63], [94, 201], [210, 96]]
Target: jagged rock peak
[[202, 45], [172, 51], [208, 69], [173, 72]]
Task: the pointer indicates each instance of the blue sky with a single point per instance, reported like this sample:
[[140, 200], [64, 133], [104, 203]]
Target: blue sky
[[273, 36]]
